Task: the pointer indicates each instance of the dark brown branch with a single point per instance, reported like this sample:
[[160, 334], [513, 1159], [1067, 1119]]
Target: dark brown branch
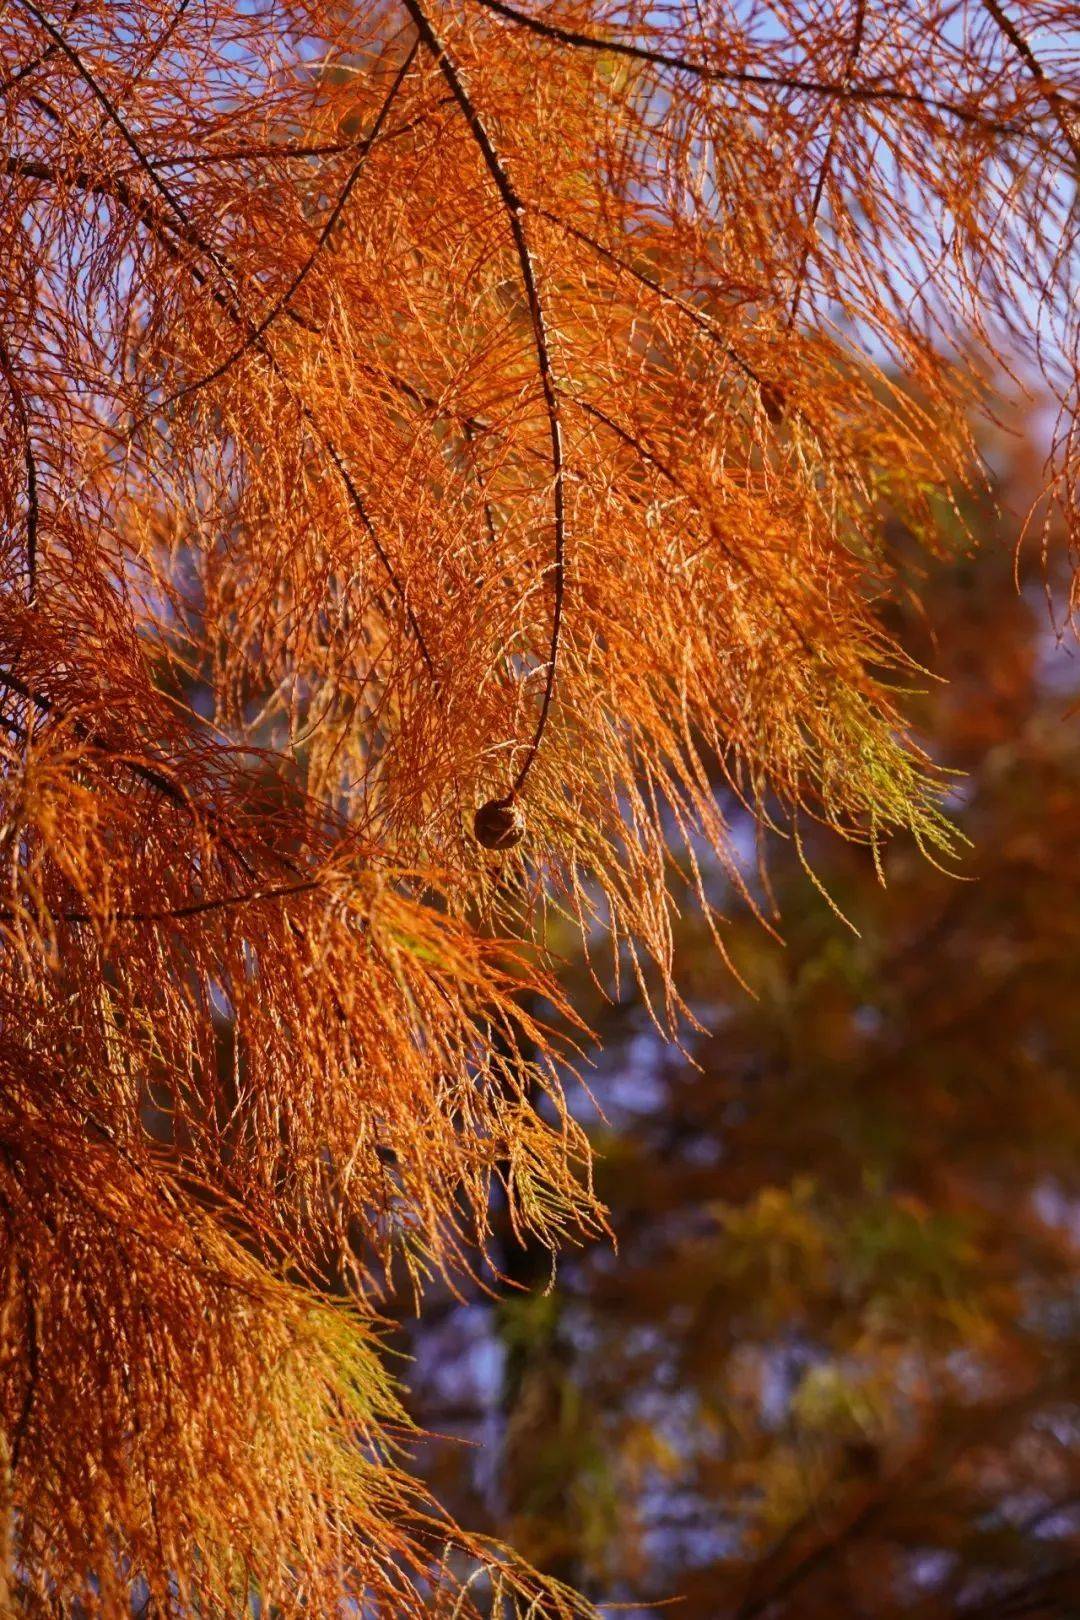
[[194, 908], [287, 154], [36, 61], [33, 1358], [114, 118], [22, 414], [670, 476], [515, 211], [148, 774], [826, 165], [1065, 114], [701, 319], [154, 776], [27, 68], [193, 235], [745, 76], [282, 303], [118, 191]]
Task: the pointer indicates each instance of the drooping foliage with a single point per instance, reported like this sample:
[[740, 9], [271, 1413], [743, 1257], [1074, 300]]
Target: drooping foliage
[[410, 411], [833, 1366]]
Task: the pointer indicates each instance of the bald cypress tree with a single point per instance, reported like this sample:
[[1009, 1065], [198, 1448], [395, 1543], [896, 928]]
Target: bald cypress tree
[[440, 446]]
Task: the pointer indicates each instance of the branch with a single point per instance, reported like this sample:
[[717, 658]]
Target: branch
[[114, 118], [146, 773], [826, 164], [194, 908], [151, 775], [278, 149], [748, 77], [734, 556], [282, 303], [27, 68], [193, 235], [33, 1357], [701, 319], [1065, 114], [117, 190], [32, 511], [515, 210]]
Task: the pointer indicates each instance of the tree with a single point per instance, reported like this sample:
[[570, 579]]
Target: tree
[[442, 444]]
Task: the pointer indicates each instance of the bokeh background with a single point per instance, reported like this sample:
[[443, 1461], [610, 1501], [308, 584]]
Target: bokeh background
[[832, 1366]]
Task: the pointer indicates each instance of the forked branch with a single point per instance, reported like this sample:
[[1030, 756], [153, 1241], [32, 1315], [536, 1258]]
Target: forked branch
[[746, 76]]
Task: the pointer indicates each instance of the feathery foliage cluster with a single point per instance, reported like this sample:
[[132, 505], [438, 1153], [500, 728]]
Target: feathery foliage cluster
[[409, 409]]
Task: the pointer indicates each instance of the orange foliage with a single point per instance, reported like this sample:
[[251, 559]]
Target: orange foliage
[[407, 411]]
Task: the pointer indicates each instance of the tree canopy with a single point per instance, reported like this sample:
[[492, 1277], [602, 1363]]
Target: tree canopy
[[453, 460]]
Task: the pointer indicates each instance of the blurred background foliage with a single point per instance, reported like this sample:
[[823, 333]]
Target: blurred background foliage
[[832, 1367]]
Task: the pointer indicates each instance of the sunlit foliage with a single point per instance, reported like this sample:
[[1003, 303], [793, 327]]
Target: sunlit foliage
[[411, 409], [833, 1366]]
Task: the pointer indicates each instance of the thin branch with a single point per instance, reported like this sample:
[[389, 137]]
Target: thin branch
[[278, 149], [118, 190], [194, 908], [37, 61], [27, 68], [114, 118], [1067, 116], [148, 774], [154, 776], [22, 414], [826, 164], [238, 313], [748, 77], [282, 303], [515, 211], [698, 316], [33, 1358]]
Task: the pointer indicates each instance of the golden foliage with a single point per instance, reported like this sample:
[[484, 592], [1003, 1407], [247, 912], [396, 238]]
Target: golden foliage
[[406, 410]]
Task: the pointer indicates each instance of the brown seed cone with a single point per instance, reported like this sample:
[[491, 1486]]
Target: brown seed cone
[[499, 824]]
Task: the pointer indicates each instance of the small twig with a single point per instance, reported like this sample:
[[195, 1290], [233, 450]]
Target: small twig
[[279, 150], [236, 309], [194, 908], [148, 774], [282, 303], [33, 1357], [698, 316], [22, 414], [748, 77], [826, 164], [27, 68], [515, 211], [1066, 115]]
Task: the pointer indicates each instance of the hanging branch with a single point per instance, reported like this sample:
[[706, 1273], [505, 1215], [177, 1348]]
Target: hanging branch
[[746, 77], [698, 316], [193, 908], [281, 304], [238, 313], [22, 416], [33, 1373], [1067, 116], [826, 163], [153, 775], [500, 812]]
